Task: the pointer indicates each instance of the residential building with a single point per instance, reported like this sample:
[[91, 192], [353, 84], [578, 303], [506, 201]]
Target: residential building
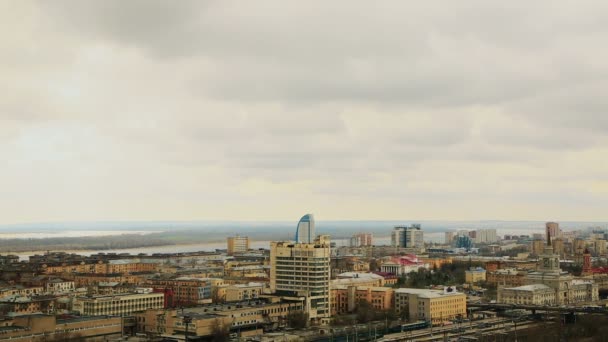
[[188, 290], [241, 292], [552, 228], [436, 306], [537, 247], [303, 270], [407, 237], [485, 236], [558, 246], [237, 244], [361, 239], [449, 238], [599, 246]]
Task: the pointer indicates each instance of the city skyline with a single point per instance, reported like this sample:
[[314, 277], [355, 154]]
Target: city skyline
[[122, 111]]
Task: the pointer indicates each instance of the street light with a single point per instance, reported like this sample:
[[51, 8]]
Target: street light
[[186, 320]]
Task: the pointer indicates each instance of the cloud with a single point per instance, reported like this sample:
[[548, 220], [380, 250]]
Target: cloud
[[211, 109]]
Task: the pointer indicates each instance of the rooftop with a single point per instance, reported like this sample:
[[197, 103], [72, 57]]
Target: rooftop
[[533, 287]]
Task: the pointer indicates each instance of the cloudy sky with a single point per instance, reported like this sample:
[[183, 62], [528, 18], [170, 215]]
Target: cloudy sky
[[265, 110]]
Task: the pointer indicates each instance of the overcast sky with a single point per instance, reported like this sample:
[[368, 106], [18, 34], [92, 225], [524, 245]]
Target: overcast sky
[[266, 110]]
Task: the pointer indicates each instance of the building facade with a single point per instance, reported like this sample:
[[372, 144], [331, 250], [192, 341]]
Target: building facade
[[305, 232], [361, 240], [435, 306], [303, 270], [474, 275], [344, 299], [119, 304], [237, 244], [407, 237], [549, 285]]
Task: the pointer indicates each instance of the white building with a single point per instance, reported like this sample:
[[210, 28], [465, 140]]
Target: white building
[[485, 236]]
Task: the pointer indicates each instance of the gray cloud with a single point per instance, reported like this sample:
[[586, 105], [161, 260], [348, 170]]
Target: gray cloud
[[334, 105]]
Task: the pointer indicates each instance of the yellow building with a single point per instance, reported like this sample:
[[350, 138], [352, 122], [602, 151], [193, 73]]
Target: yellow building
[[118, 304], [599, 246], [241, 292], [303, 270], [558, 246], [537, 247], [344, 299], [474, 275], [241, 318], [237, 244], [435, 306]]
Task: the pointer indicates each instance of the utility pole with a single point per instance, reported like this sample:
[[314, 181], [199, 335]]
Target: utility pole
[[186, 320]]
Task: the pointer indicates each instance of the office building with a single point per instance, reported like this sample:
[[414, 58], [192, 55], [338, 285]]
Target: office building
[[237, 244], [407, 237], [305, 232], [436, 306], [118, 305], [303, 270]]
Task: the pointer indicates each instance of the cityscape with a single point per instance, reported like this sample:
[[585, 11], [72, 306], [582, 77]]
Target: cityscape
[[303, 171], [475, 285]]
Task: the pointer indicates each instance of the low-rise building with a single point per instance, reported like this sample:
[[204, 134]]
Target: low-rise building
[[118, 304], [436, 306], [346, 298], [507, 277], [241, 292], [474, 275], [39, 328]]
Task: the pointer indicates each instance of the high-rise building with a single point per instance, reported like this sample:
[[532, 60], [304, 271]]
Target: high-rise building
[[558, 246], [407, 237], [538, 247], [463, 241], [485, 236], [237, 244], [303, 270], [449, 238], [600, 247], [305, 232], [361, 239], [553, 229]]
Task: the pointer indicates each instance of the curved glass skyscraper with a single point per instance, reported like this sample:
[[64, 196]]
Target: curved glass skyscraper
[[305, 232]]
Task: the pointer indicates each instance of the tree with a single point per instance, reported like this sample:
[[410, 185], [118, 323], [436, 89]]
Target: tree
[[297, 319], [220, 332], [216, 297], [365, 312]]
